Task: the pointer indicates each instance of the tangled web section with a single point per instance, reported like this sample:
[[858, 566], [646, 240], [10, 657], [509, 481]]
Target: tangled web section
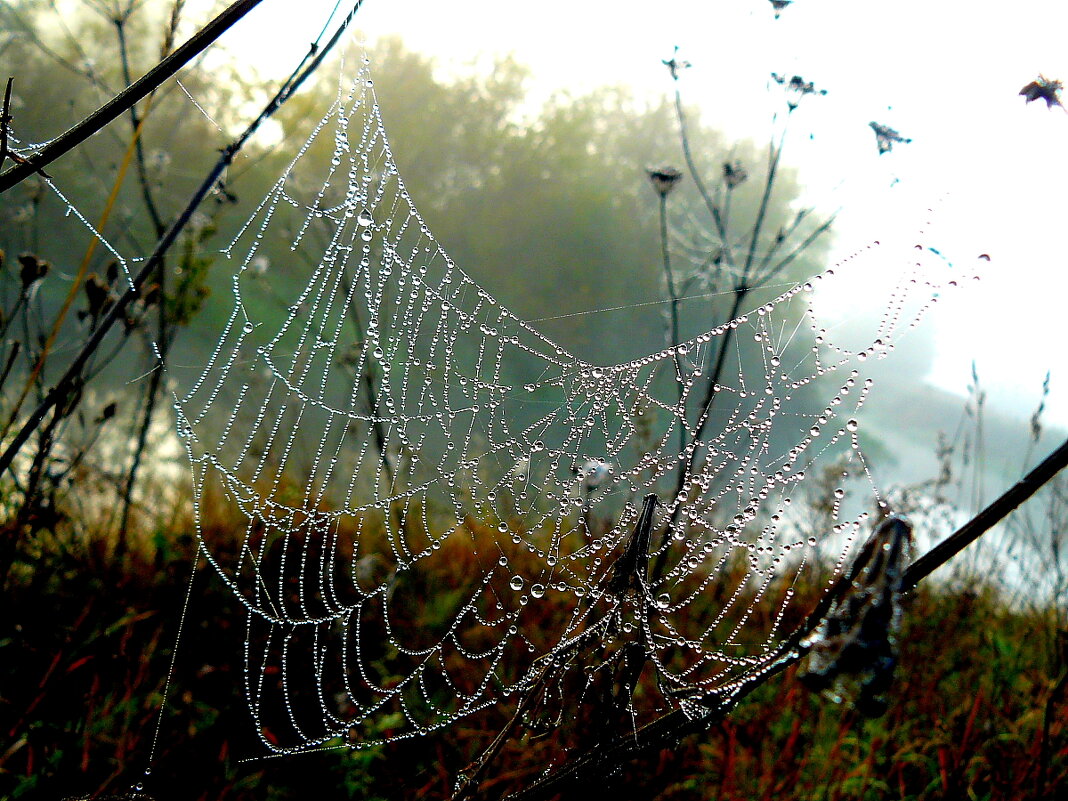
[[434, 496]]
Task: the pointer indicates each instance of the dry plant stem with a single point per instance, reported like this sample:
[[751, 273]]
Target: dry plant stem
[[396, 513], [741, 289], [467, 788], [664, 732], [774, 154], [673, 309], [16, 346], [126, 98], [308, 65], [990, 516], [629, 574], [687, 153], [368, 380], [1056, 693], [162, 338], [135, 124]]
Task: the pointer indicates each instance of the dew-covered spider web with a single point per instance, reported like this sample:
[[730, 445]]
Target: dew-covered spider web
[[435, 498]]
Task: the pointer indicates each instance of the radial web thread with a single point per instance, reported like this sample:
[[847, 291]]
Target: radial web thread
[[389, 421]]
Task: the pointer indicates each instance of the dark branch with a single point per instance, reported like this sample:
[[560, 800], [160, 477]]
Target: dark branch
[[125, 99], [988, 518]]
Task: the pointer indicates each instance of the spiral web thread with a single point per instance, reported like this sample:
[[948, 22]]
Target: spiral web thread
[[424, 480]]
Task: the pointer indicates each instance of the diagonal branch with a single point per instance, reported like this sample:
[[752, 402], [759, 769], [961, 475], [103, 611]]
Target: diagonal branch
[[308, 65], [988, 518], [125, 99]]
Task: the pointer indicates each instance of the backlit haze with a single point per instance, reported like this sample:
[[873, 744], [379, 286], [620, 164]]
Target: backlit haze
[[947, 75]]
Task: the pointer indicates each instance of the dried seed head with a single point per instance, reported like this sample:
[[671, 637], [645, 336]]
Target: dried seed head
[[779, 5], [886, 137], [664, 179], [98, 293], [1043, 88], [676, 65], [32, 269], [734, 174]]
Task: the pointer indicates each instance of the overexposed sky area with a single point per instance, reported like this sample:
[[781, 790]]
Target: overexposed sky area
[[946, 74]]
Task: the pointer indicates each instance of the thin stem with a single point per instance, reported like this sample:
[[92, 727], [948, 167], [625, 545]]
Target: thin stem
[[741, 290], [136, 123], [710, 204], [706, 407], [307, 66], [774, 154], [673, 309], [797, 251]]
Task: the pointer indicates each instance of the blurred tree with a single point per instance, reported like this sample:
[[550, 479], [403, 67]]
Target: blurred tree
[[548, 208]]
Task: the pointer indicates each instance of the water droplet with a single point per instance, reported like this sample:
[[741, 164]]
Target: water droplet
[[516, 583], [248, 328], [852, 425], [984, 257], [502, 527], [663, 600], [537, 590]]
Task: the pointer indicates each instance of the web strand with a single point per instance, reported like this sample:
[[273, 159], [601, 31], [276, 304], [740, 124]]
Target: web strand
[[392, 420]]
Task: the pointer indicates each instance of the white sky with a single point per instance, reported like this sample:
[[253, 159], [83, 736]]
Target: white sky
[[944, 73]]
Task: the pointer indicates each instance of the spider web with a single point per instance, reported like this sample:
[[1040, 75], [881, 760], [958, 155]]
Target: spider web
[[435, 496]]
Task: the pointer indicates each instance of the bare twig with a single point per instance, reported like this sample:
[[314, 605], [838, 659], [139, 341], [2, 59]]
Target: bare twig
[[162, 336], [673, 309]]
